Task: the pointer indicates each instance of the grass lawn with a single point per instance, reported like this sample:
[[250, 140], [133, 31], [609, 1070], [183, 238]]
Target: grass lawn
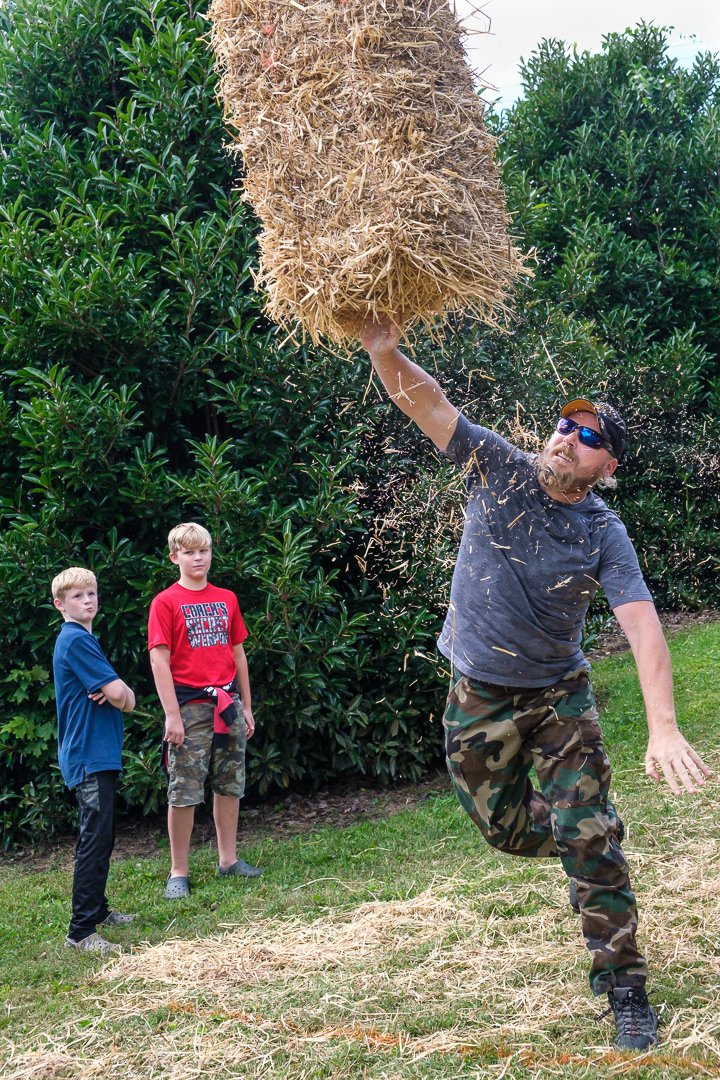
[[396, 948]]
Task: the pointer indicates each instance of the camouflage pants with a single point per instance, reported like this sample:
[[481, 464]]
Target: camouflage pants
[[494, 736], [189, 765]]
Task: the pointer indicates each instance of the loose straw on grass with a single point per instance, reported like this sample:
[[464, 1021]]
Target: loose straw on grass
[[366, 159], [493, 976]]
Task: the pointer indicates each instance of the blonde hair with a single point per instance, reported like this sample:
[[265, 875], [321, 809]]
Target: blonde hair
[[75, 577], [607, 483], [190, 536]]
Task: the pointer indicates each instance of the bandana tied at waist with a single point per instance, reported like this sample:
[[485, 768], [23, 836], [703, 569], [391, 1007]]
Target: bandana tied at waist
[[225, 711]]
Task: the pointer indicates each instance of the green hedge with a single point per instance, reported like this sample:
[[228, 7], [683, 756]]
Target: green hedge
[[141, 385]]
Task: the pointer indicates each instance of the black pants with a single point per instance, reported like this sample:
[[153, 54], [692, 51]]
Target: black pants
[[96, 839]]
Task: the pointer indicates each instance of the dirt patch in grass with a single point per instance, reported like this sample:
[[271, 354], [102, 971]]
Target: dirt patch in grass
[[337, 806]]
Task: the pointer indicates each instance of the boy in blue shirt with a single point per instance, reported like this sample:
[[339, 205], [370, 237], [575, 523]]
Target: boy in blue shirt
[[90, 702]]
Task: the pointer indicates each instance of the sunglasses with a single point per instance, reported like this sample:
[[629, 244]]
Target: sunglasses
[[586, 435]]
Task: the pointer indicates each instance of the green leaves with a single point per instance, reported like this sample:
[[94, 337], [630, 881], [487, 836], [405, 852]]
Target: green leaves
[[141, 386], [611, 168]]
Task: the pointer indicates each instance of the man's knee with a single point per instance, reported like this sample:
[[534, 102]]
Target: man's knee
[[587, 840], [495, 835]]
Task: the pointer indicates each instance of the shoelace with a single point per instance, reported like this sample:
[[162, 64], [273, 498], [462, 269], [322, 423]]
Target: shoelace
[[627, 1011]]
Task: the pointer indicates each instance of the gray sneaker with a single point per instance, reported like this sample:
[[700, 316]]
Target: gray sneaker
[[636, 1020], [92, 943], [116, 918], [240, 869]]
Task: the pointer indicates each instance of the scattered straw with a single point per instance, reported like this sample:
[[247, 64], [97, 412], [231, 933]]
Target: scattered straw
[[484, 970], [367, 160]]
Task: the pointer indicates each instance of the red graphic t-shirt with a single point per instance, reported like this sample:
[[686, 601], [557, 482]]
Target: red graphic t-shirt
[[199, 627]]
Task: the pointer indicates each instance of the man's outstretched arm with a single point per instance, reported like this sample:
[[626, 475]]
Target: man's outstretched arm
[[414, 391], [668, 750]]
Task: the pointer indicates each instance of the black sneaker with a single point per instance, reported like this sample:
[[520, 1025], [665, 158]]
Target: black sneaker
[[636, 1020], [573, 896]]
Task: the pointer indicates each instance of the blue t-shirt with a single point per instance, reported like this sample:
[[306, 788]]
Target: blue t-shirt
[[89, 735], [527, 568]]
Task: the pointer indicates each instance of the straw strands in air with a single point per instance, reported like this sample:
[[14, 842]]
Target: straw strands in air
[[366, 159]]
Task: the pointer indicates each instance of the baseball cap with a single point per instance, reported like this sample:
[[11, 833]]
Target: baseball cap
[[611, 424]]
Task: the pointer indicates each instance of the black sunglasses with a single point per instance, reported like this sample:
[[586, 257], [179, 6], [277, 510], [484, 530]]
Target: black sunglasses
[[586, 435]]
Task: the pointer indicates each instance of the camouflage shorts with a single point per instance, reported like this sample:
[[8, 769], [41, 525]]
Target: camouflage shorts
[[495, 735], [190, 764]]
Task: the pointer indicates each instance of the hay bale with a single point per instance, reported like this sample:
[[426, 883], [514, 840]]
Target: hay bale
[[366, 159]]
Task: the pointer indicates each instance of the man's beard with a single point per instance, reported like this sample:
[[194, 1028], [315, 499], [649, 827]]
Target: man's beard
[[552, 481]]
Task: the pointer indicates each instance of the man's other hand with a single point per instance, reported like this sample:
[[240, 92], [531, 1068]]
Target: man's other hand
[[673, 756]]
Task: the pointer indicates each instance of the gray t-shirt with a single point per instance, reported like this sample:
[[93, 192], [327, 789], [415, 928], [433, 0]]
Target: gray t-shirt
[[527, 568]]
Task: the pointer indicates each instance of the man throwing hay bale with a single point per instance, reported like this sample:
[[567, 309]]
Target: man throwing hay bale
[[366, 159], [537, 542]]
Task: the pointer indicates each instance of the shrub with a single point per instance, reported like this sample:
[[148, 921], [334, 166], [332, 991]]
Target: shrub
[[141, 385]]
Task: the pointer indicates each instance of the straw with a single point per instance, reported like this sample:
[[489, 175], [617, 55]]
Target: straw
[[367, 160]]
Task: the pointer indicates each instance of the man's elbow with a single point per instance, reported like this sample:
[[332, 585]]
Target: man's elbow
[[642, 627]]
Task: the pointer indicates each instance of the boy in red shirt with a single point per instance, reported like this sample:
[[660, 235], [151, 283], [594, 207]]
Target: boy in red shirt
[[195, 636]]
